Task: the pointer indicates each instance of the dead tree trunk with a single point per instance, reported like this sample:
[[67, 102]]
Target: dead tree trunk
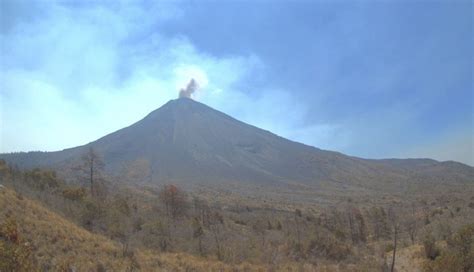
[[395, 240]]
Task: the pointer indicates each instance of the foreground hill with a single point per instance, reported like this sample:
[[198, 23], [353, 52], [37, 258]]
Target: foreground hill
[[50, 225], [56, 244], [185, 142]]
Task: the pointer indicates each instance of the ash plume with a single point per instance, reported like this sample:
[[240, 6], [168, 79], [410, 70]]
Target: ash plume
[[189, 90]]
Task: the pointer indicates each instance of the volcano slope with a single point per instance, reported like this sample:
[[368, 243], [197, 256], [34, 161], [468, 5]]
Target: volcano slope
[[188, 143]]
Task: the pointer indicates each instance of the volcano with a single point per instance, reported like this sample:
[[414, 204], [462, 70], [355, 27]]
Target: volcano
[[185, 142]]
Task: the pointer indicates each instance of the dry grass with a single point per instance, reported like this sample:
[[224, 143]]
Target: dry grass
[[57, 244], [408, 259]]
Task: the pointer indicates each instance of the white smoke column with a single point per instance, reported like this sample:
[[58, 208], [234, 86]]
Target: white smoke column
[[190, 89]]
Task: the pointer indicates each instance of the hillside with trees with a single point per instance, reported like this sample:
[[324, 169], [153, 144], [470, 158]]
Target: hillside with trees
[[48, 224]]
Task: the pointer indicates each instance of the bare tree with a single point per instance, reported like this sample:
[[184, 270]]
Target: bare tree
[[379, 222], [357, 227], [351, 225], [202, 211], [91, 168], [216, 222], [297, 215], [411, 224], [260, 227], [198, 233], [174, 200], [395, 225]]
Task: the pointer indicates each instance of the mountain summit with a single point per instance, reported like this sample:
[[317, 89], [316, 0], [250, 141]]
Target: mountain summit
[[185, 141]]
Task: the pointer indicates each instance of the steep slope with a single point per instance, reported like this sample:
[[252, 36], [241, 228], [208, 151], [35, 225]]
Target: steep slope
[[186, 141]]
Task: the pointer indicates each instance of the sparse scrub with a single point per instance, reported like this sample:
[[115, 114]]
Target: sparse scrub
[[15, 252], [142, 222], [459, 254], [429, 244]]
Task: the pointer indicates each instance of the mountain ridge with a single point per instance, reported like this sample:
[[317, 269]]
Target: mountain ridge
[[185, 141]]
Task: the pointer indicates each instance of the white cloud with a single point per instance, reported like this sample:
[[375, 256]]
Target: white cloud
[[62, 84], [73, 75]]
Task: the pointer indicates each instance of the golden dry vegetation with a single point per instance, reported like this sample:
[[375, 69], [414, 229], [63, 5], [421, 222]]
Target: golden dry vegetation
[[48, 224], [59, 245]]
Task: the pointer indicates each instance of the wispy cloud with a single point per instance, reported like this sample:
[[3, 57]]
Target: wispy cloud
[[335, 78], [78, 73]]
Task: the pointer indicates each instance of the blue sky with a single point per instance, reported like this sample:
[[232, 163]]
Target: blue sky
[[374, 79]]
